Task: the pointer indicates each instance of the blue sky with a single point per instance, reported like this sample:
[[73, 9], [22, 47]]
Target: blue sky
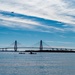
[[29, 21]]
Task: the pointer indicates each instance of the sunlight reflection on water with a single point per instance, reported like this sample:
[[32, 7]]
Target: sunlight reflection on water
[[37, 64]]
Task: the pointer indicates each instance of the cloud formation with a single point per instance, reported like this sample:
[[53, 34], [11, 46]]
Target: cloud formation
[[39, 15]]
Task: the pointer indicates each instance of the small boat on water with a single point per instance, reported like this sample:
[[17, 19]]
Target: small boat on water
[[21, 52], [32, 53]]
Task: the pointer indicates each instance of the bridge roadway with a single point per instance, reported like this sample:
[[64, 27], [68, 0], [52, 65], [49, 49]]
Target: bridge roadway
[[37, 49]]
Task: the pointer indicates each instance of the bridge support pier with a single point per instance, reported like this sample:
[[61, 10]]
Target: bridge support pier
[[15, 46], [41, 45]]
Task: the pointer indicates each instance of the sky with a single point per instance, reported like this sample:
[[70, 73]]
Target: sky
[[29, 21]]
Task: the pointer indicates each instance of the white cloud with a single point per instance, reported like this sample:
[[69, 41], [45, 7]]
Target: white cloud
[[16, 19], [8, 20], [48, 9]]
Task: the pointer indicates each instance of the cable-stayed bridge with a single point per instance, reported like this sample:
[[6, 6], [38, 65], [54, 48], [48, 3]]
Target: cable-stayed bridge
[[40, 48]]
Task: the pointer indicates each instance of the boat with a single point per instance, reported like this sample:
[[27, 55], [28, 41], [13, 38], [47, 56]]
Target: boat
[[32, 53]]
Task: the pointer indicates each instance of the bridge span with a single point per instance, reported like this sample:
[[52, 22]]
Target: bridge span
[[41, 48]]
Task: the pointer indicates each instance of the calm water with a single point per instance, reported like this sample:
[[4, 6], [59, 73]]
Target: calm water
[[37, 64]]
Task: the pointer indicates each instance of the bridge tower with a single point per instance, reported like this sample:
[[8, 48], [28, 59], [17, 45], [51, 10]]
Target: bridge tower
[[15, 46], [41, 45]]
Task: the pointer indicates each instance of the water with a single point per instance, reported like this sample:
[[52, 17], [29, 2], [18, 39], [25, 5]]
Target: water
[[37, 64]]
